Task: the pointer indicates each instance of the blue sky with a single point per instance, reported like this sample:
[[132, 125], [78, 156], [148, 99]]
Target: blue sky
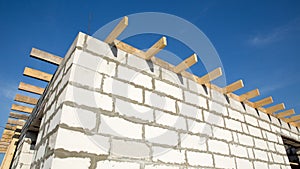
[[257, 41]]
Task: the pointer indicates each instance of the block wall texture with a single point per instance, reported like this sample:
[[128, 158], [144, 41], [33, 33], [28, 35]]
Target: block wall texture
[[107, 109]]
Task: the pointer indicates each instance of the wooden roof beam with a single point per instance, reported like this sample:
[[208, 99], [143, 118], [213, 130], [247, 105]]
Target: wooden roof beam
[[36, 74], [18, 116], [186, 64], [273, 109], [15, 122], [293, 119], [210, 76], [45, 56], [20, 108], [249, 95], [233, 87], [117, 30], [26, 99], [263, 102], [157, 47], [285, 113], [31, 88]]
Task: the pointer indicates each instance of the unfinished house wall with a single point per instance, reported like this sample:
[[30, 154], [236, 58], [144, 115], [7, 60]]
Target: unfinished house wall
[[109, 109]]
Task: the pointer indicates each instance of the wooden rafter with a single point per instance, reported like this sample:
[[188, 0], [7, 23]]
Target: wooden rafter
[[45, 56], [249, 95], [37, 74], [18, 116], [275, 108], [233, 87], [31, 88], [293, 118], [15, 122], [26, 99], [285, 113], [6, 163], [154, 49], [210, 76], [186, 64], [263, 102], [20, 108], [117, 30]]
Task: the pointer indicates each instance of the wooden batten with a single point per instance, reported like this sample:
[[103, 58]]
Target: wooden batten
[[186, 64], [31, 88], [18, 116], [15, 122], [45, 56], [263, 102], [117, 30], [210, 76], [293, 119], [157, 47], [37, 74], [273, 109], [26, 99], [20, 108], [249, 95], [233, 87], [285, 113]]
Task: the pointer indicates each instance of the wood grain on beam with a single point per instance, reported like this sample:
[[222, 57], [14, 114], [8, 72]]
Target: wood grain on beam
[[45, 56], [186, 64], [15, 122], [18, 116], [31, 88], [117, 30], [37, 74], [285, 113], [273, 109], [249, 95], [21, 108], [233, 87], [263, 102], [210, 76], [26, 99], [10, 127], [158, 46]]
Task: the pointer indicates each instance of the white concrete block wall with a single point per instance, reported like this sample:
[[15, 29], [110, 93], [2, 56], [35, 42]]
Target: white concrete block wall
[[114, 110]]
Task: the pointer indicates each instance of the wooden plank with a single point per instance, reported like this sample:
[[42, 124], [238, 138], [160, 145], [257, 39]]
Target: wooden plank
[[210, 76], [37, 74], [263, 102], [273, 109], [6, 163], [10, 127], [15, 122], [293, 118], [249, 95], [31, 88], [117, 30], [26, 99], [18, 116], [20, 108], [233, 87], [129, 49], [154, 49], [45, 56], [186, 64], [285, 113]]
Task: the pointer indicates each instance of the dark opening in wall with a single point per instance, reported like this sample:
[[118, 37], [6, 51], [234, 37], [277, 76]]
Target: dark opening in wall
[[292, 148]]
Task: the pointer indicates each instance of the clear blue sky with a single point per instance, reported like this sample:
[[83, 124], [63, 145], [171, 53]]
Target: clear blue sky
[[258, 41]]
